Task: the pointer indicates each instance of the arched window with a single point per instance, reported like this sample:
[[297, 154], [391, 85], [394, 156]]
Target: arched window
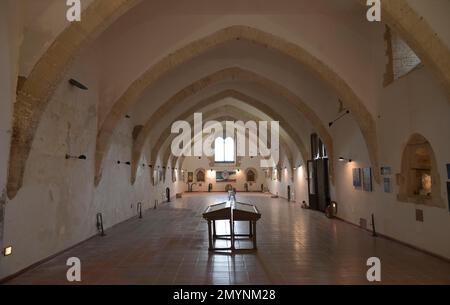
[[224, 151], [419, 179]]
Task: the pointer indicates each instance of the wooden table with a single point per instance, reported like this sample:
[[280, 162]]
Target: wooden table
[[231, 211]]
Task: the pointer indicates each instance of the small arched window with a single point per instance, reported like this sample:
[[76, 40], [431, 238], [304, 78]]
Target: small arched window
[[224, 150]]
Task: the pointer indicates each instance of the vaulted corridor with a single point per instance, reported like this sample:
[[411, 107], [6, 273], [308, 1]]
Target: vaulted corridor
[[327, 119]]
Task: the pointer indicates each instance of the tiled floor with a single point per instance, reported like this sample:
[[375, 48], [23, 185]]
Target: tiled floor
[[295, 246]]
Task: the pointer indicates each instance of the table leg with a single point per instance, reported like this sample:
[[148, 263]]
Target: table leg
[[210, 236], [214, 229], [254, 235], [232, 234]]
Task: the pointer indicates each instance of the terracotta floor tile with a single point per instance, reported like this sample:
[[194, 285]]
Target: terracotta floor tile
[[295, 246]]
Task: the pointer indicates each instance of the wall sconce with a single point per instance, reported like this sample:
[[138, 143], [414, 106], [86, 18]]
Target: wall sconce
[[342, 159], [127, 163], [7, 251], [81, 157], [77, 84], [340, 117]]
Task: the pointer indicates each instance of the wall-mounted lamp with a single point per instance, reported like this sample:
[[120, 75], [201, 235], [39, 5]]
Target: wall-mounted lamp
[[337, 119], [81, 157], [342, 159], [77, 84], [127, 163], [7, 251]]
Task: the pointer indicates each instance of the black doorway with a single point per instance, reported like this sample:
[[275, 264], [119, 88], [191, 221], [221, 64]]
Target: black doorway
[[168, 194], [318, 177]]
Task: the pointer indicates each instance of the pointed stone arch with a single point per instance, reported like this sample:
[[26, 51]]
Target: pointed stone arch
[[139, 143], [163, 152], [359, 111], [36, 91]]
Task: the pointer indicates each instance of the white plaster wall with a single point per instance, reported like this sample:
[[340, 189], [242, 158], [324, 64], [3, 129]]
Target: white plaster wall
[[413, 104], [289, 177], [56, 207], [10, 26]]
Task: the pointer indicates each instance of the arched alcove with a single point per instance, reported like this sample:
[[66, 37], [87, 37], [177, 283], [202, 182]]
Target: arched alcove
[[200, 175], [419, 179], [250, 175]]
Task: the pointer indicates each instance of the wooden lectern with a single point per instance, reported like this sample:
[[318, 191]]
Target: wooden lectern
[[232, 211]]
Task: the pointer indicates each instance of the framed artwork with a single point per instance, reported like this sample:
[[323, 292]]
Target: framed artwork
[[226, 176], [387, 184], [367, 179], [357, 178], [190, 177], [386, 171]]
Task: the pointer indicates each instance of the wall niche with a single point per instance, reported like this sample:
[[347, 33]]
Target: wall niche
[[419, 178]]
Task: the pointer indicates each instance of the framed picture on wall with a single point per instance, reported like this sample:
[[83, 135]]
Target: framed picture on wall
[[367, 179], [190, 177], [357, 178]]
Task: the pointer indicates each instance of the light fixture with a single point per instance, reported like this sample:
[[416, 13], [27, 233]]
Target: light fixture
[[81, 157], [342, 159], [7, 251], [337, 119], [77, 84]]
